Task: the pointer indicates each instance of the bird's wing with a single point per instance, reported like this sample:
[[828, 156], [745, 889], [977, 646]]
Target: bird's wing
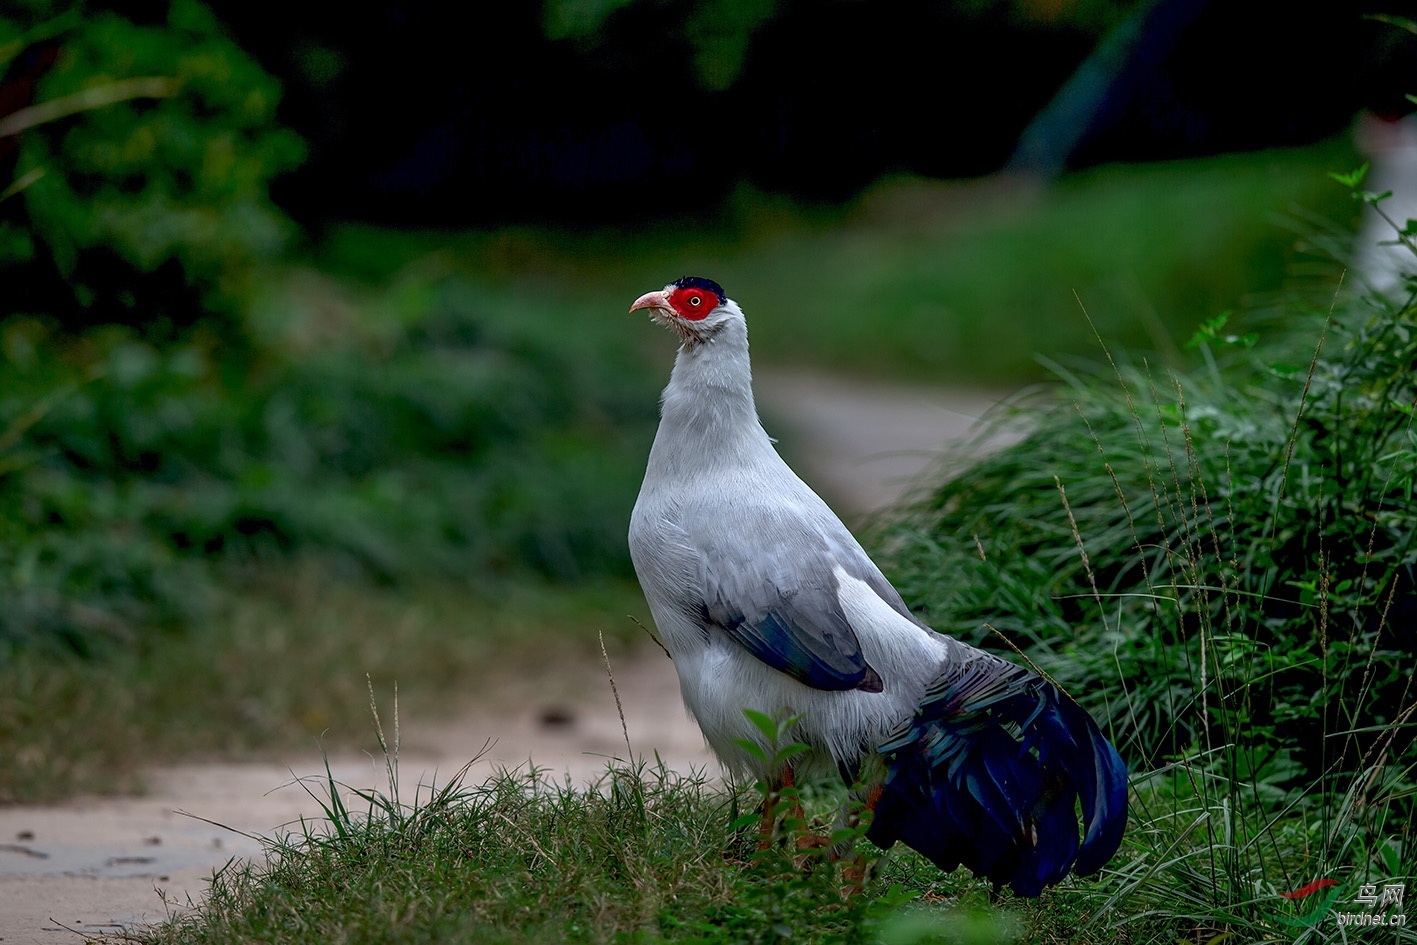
[[768, 581]]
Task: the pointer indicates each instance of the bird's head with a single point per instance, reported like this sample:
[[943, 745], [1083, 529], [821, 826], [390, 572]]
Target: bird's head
[[695, 308]]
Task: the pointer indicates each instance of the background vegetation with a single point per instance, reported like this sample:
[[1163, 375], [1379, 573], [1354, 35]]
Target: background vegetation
[[244, 461]]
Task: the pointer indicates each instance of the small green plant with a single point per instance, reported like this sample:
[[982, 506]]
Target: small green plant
[[781, 808], [840, 818]]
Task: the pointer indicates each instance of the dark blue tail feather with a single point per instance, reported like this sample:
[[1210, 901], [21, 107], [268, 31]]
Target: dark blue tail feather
[[991, 772]]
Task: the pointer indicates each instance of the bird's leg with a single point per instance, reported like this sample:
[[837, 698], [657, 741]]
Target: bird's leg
[[772, 802], [783, 801], [795, 819], [855, 869]]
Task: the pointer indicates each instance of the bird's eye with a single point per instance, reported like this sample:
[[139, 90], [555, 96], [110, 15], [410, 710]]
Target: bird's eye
[[696, 300]]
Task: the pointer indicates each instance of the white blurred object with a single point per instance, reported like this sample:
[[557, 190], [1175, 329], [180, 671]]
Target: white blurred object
[[1391, 149]]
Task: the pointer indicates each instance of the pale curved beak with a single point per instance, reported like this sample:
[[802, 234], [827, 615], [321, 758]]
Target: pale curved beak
[[658, 299]]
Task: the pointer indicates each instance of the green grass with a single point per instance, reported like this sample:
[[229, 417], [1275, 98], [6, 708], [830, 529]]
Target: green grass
[[647, 855], [650, 855], [1218, 563]]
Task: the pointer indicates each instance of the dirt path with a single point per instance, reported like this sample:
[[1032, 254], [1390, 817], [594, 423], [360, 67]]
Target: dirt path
[[862, 444], [99, 865]]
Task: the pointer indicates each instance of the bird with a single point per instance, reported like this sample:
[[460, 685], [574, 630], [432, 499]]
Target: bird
[[766, 602]]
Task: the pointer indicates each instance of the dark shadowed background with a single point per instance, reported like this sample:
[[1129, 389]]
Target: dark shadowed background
[[431, 113]]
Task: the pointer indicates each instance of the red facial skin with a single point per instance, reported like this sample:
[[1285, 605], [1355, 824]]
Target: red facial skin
[[684, 303], [692, 304]]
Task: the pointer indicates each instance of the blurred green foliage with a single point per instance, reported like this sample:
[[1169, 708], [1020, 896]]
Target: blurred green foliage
[[970, 282], [427, 430], [139, 190], [176, 398]]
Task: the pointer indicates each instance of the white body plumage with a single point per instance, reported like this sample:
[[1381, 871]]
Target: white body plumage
[[767, 602], [719, 507]]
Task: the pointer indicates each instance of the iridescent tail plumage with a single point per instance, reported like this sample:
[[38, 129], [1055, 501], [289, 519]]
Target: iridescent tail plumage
[[1000, 771]]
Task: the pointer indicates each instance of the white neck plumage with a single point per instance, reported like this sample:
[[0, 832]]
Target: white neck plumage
[[709, 399]]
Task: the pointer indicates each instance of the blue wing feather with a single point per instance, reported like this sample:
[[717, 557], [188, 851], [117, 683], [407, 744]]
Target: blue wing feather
[[788, 617], [819, 656]]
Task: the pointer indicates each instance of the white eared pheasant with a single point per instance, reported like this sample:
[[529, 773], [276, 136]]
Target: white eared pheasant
[[765, 601]]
